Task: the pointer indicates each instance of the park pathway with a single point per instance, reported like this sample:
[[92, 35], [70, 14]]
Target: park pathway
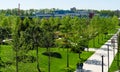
[[94, 63]]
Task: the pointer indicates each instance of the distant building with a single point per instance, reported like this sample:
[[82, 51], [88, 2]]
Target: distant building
[[72, 13], [73, 9], [41, 15]]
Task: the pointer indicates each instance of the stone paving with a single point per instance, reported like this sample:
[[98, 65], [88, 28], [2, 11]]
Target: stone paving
[[94, 63]]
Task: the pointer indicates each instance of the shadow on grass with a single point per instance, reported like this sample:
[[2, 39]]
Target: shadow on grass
[[53, 54]]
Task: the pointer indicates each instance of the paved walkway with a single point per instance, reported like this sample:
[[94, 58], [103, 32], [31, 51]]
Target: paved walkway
[[94, 63]]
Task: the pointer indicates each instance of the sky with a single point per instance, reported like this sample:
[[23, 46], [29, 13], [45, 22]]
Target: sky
[[61, 4]]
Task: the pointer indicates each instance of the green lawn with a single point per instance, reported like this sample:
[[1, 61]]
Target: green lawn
[[114, 66], [57, 64]]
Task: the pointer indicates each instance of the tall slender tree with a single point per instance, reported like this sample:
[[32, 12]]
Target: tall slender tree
[[16, 41], [65, 28], [36, 35], [48, 37]]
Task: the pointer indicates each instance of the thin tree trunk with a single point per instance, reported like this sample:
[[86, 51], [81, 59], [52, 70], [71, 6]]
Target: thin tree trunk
[[67, 58], [105, 36], [98, 39], [37, 59], [93, 42], [79, 55], [88, 46], [16, 60], [102, 37], [48, 60]]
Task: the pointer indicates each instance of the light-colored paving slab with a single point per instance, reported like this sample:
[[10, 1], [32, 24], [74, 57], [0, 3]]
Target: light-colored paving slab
[[91, 49], [94, 63]]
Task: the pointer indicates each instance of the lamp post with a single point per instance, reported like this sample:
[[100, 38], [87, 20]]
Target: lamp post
[[113, 45], [114, 48], [102, 63], [108, 55]]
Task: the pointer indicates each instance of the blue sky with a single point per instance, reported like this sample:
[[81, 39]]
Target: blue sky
[[62, 4]]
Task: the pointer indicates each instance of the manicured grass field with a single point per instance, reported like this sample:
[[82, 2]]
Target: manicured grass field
[[57, 64], [114, 66]]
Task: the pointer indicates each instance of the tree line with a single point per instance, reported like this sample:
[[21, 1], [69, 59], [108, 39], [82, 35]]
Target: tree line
[[31, 12], [71, 33]]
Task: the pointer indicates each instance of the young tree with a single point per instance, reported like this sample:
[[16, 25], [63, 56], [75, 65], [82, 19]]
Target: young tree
[[26, 36], [80, 35], [16, 41], [32, 36], [65, 28], [94, 24], [48, 37], [36, 35], [115, 21]]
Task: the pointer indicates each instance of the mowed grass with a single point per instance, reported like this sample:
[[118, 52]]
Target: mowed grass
[[114, 66], [57, 64], [98, 41]]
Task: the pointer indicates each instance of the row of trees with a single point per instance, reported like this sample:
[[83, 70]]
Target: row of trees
[[31, 12], [67, 32]]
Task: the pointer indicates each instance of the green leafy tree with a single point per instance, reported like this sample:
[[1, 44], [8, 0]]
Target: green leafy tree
[[36, 36], [16, 41], [48, 37], [115, 21], [65, 28], [79, 35], [27, 36]]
